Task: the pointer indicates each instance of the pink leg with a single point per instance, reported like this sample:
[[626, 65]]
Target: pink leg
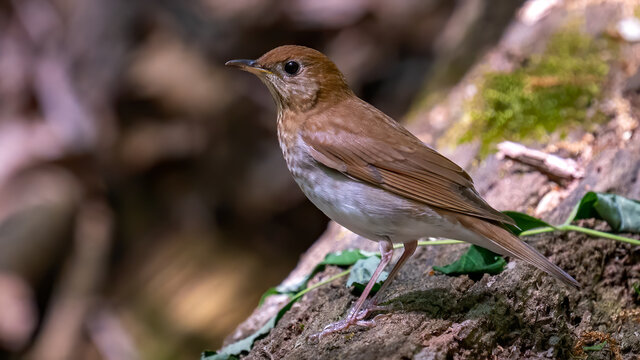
[[409, 249], [386, 253], [355, 315]]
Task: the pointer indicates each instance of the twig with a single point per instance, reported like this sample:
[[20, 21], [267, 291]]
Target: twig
[[557, 168]]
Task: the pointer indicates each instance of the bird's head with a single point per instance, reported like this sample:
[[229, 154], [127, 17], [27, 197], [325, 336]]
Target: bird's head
[[299, 78]]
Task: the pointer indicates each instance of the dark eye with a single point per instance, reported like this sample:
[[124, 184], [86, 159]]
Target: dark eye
[[291, 67]]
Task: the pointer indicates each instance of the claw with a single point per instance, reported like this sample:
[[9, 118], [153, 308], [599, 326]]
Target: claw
[[366, 323], [352, 319], [372, 322]]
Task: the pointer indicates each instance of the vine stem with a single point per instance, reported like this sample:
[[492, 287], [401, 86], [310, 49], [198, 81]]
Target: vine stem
[[569, 227], [539, 231], [346, 272], [323, 282], [546, 229], [599, 234]]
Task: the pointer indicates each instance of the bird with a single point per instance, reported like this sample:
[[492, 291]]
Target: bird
[[371, 175]]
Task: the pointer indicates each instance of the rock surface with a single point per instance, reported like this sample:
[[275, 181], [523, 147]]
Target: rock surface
[[521, 313]]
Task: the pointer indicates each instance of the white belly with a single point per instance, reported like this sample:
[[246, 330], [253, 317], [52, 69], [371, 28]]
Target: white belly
[[366, 210]]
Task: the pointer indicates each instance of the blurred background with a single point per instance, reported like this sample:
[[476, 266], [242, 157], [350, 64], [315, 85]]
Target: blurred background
[[144, 202]]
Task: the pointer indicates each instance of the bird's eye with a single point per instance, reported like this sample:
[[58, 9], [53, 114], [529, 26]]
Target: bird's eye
[[291, 67]]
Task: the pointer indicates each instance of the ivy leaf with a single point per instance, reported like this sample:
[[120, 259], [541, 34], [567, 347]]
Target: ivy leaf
[[291, 289], [346, 257], [340, 258], [269, 292], [362, 271], [524, 222], [234, 350], [207, 353], [475, 260], [362, 259], [622, 214]]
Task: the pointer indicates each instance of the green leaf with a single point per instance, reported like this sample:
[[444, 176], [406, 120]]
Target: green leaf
[[524, 222], [291, 289], [269, 292], [595, 347], [207, 353], [232, 351], [636, 288], [585, 208], [362, 271], [340, 258], [475, 260], [346, 257], [363, 261], [622, 214]]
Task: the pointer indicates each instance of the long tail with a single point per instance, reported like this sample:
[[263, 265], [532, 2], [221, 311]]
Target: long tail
[[499, 240]]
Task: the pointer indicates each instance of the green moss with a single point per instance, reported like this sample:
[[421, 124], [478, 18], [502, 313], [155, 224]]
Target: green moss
[[550, 93]]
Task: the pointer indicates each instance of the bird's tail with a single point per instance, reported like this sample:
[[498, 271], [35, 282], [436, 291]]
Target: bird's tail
[[500, 240]]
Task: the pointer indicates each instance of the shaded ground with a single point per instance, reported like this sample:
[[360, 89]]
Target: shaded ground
[[520, 313]]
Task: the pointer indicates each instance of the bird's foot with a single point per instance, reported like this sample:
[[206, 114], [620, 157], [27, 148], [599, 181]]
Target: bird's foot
[[358, 318]]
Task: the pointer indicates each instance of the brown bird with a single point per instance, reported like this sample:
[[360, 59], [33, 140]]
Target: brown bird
[[371, 175]]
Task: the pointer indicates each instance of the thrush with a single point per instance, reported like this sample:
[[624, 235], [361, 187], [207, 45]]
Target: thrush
[[371, 175]]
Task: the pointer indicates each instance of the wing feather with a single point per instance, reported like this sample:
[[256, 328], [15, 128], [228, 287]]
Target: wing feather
[[384, 154]]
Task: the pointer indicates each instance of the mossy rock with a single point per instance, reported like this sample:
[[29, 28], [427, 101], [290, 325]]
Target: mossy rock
[[551, 92]]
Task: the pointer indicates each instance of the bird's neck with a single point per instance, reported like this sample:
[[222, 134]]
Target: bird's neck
[[288, 127], [288, 124]]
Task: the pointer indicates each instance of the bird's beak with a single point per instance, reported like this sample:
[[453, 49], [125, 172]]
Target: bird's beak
[[251, 66]]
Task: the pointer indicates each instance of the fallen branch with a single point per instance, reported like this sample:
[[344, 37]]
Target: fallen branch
[[556, 168]]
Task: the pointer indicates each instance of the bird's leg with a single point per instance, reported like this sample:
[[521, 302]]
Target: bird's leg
[[362, 307], [355, 314], [409, 249], [372, 304], [386, 253]]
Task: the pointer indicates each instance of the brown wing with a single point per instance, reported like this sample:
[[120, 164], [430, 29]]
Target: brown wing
[[382, 153]]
